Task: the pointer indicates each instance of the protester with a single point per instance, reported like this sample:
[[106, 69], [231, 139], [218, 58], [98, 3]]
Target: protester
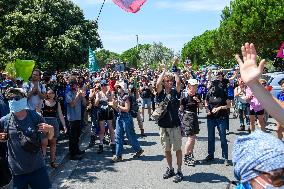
[[250, 73], [25, 158], [145, 94], [189, 106], [36, 91], [105, 115], [259, 161], [216, 105], [50, 111], [74, 98], [124, 123], [169, 123]]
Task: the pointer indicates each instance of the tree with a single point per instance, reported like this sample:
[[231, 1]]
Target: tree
[[54, 33], [105, 57]]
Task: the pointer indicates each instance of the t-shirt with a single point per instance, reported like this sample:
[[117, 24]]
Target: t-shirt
[[254, 103], [215, 101], [34, 100], [21, 161], [280, 96], [171, 117], [73, 113], [189, 104]]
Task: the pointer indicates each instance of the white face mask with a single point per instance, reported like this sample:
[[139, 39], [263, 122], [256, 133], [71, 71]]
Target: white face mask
[[17, 106], [268, 186]]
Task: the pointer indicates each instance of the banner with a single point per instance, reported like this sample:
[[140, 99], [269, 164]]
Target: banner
[[281, 51], [93, 66], [130, 5], [24, 68]]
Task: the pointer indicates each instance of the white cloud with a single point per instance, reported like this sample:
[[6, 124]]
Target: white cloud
[[192, 5], [89, 2]]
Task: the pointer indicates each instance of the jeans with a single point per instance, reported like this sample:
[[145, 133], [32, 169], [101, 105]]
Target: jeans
[[244, 112], [94, 120], [124, 124], [74, 135], [221, 124], [36, 180]]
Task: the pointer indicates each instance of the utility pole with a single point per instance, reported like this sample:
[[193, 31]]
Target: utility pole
[[137, 41]]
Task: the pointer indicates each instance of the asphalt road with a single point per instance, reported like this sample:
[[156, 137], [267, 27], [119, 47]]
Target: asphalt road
[[96, 171]]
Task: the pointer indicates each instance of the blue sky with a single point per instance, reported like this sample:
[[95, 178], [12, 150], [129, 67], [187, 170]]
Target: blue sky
[[172, 22]]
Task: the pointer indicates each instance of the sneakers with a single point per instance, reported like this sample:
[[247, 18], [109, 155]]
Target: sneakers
[[112, 147], [209, 158], [101, 149], [169, 173], [142, 133], [138, 154], [178, 177], [116, 159], [242, 128], [226, 162], [189, 160], [75, 157]]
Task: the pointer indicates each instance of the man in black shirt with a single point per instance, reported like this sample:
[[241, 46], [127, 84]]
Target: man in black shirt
[[169, 123]]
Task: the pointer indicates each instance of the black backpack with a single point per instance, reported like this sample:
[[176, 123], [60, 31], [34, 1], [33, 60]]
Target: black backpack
[[134, 108]]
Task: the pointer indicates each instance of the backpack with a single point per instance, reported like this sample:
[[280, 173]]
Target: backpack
[[134, 108]]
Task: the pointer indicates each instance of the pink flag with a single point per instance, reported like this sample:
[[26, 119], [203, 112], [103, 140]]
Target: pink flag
[[281, 51], [130, 5]]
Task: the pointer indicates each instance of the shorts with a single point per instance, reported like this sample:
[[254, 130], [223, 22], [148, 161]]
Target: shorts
[[190, 123], [105, 114], [146, 101], [260, 112], [171, 138], [53, 122]]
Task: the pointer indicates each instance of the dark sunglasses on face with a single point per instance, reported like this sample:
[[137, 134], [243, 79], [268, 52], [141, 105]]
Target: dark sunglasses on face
[[118, 87], [16, 98]]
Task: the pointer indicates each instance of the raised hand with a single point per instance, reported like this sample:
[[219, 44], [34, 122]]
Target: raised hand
[[250, 71]]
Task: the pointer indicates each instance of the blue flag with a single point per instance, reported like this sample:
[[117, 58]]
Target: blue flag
[[93, 66]]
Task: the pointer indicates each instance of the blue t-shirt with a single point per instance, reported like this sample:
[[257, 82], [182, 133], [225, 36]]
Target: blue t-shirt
[[73, 113], [21, 161], [280, 96]]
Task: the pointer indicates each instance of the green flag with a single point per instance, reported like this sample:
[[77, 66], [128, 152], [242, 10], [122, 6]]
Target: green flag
[[93, 66], [24, 68]]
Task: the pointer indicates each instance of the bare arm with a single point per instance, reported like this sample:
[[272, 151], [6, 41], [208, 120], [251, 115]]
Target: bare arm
[[61, 117], [160, 81]]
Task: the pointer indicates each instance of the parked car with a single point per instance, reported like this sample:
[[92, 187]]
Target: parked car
[[273, 81]]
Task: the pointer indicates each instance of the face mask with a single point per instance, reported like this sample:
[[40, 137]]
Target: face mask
[[268, 186], [17, 106]]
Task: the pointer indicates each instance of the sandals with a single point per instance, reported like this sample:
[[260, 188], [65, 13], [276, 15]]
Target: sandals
[[53, 165]]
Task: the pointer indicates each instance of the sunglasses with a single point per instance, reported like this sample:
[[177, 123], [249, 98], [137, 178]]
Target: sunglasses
[[118, 87], [169, 81], [16, 98]]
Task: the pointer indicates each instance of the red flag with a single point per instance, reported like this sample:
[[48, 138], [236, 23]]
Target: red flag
[[130, 5], [281, 51]]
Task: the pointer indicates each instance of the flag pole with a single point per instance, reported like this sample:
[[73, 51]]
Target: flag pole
[[100, 11]]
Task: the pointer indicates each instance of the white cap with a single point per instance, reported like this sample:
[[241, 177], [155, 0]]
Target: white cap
[[192, 82]]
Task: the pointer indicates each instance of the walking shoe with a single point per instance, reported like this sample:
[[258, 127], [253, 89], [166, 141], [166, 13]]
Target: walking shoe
[[191, 160], [242, 128], [101, 149], [112, 146], [116, 159], [92, 141], [169, 173], [186, 159], [81, 152], [142, 133], [75, 157], [138, 154], [178, 177], [226, 162], [209, 158]]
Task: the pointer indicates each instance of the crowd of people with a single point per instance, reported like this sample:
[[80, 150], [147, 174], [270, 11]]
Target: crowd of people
[[35, 113]]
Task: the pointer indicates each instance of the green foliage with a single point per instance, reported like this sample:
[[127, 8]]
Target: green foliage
[[260, 22], [105, 57], [51, 32]]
